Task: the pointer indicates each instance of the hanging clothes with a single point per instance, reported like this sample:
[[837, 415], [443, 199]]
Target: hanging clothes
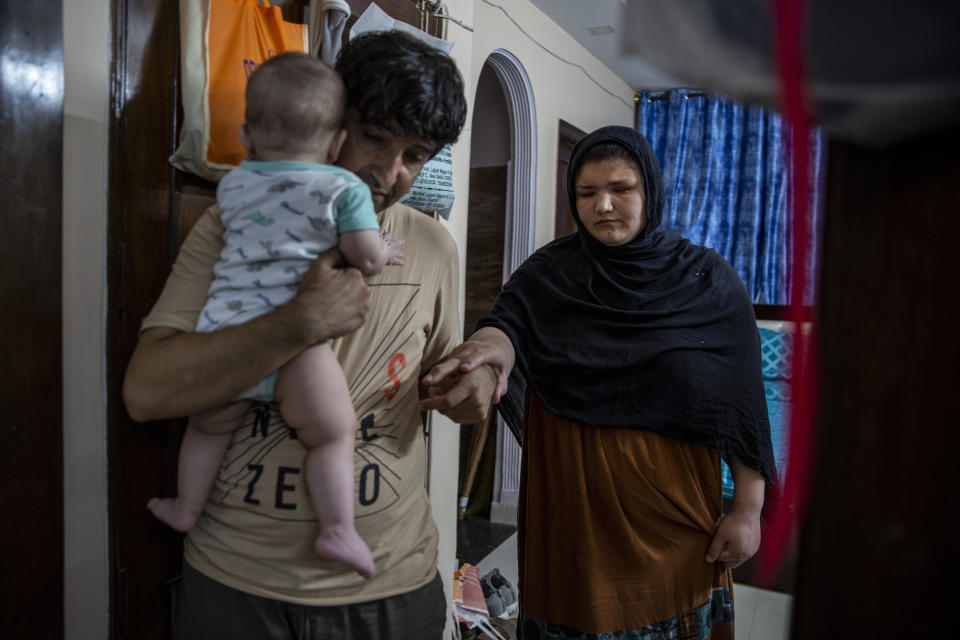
[[326, 22]]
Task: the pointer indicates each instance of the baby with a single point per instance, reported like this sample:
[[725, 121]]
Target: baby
[[280, 208]]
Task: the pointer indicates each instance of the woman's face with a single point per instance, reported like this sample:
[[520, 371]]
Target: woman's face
[[610, 202]]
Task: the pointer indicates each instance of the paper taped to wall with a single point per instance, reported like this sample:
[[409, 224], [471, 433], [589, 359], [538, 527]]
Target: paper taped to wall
[[433, 188]]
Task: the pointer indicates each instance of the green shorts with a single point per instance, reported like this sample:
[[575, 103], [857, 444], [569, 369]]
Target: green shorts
[[260, 392], [263, 391]]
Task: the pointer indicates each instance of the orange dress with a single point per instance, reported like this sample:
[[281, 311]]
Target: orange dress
[[613, 526]]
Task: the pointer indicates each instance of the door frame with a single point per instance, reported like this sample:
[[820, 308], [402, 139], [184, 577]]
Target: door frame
[[519, 228]]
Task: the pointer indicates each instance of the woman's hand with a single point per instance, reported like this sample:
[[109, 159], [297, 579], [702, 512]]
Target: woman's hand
[[473, 376], [737, 536], [488, 346], [465, 398], [736, 540]]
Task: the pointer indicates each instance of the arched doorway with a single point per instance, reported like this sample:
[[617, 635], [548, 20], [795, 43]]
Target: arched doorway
[[500, 232]]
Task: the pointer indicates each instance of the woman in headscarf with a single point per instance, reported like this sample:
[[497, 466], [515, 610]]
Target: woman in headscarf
[[637, 369]]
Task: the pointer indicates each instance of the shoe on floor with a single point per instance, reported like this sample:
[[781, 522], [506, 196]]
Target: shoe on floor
[[495, 606], [507, 592]]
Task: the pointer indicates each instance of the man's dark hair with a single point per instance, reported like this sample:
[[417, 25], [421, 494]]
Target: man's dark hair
[[404, 85]]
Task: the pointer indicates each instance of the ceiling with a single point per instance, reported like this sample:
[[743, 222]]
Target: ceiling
[[577, 16]]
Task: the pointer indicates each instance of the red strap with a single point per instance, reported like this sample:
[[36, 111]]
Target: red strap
[[790, 506]]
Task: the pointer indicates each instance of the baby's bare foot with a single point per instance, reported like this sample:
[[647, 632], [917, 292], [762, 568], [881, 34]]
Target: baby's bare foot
[[174, 513], [346, 547]]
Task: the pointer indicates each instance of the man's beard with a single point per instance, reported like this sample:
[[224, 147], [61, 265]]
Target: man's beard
[[389, 195]]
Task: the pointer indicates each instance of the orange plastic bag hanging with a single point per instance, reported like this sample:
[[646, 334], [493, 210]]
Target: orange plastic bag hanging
[[242, 34], [222, 42]]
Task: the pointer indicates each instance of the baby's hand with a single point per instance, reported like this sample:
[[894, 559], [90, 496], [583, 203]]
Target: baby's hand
[[394, 252]]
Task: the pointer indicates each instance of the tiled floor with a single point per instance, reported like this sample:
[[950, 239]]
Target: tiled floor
[[760, 614], [477, 537]]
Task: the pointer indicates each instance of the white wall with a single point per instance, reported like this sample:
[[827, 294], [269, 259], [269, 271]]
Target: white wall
[[492, 149], [86, 56], [561, 91], [444, 434]]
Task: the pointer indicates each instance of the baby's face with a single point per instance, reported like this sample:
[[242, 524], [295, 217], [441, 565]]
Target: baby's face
[[388, 163]]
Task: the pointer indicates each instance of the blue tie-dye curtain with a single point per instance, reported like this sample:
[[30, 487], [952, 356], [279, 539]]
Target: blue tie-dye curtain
[[725, 172]]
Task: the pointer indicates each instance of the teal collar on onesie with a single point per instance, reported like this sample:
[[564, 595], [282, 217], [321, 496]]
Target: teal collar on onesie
[[293, 165], [281, 165]]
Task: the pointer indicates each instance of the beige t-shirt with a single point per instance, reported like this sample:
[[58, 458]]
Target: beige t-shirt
[[257, 529]]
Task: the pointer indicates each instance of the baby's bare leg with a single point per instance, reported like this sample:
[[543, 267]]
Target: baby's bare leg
[[314, 399], [204, 444]]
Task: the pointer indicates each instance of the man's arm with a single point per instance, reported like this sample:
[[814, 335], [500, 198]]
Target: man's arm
[[174, 373]]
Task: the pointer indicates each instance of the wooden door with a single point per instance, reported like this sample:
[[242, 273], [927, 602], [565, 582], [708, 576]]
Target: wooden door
[[875, 551], [152, 207], [31, 462], [567, 136]]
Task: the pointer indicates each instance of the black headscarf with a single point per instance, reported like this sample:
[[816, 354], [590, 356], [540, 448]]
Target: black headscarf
[[656, 334]]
